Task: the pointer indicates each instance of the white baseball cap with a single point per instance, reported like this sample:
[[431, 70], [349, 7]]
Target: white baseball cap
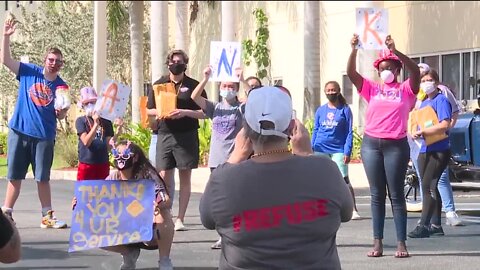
[[425, 67], [269, 104]]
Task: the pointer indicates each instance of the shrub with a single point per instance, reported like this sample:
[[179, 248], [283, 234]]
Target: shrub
[[3, 143], [66, 147], [204, 137]]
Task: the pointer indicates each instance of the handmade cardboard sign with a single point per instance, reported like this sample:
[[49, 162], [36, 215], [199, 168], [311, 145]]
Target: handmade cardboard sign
[[112, 100], [111, 212], [424, 118], [224, 59], [372, 28]]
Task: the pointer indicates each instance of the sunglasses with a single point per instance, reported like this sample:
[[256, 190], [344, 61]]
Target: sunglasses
[[56, 61], [126, 154]]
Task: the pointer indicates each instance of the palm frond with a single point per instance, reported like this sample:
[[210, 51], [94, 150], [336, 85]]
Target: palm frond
[[117, 16]]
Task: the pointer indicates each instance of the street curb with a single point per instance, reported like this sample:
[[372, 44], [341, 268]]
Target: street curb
[[200, 177]]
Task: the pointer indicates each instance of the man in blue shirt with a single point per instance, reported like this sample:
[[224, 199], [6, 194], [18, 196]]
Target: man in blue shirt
[[32, 131]]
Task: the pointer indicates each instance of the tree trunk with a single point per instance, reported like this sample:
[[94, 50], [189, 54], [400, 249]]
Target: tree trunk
[[99, 44], [136, 47], [228, 21], [311, 58], [181, 31], [158, 38]]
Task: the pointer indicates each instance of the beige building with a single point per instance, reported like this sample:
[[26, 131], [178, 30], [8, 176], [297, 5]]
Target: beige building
[[446, 35]]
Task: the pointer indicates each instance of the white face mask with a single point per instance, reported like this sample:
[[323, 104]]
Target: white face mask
[[428, 87], [387, 76], [228, 93], [89, 108]]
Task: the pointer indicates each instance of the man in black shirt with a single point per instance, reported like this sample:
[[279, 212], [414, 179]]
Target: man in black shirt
[[10, 246], [175, 137]]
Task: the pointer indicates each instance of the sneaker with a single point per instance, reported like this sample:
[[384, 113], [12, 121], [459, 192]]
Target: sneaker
[[436, 230], [356, 215], [419, 232], [217, 245], [130, 258], [50, 221], [165, 264], [179, 225], [453, 219]]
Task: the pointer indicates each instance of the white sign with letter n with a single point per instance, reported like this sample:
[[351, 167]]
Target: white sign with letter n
[[224, 59], [371, 27], [112, 100]]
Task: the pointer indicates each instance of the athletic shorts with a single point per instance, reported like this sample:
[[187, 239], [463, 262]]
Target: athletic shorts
[[177, 150], [92, 171], [338, 159]]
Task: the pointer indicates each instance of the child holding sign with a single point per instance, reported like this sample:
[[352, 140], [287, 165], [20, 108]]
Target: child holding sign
[[226, 121], [94, 134], [131, 163]]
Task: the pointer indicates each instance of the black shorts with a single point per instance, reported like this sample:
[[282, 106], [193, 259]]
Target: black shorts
[[177, 150]]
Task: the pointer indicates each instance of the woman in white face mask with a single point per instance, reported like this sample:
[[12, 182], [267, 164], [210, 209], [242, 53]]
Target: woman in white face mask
[[226, 121], [433, 158], [385, 151]]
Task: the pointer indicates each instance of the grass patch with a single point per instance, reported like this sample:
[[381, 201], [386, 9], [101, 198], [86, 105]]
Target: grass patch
[[58, 163]]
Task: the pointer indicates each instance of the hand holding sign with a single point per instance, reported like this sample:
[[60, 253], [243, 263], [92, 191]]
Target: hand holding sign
[[224, 59], [390, 43], [113, 100], [372, 27]]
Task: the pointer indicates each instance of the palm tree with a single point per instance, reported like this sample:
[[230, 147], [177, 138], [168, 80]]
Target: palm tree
[[136, 48], [158, 38], [312, 57], [181, 34], [228, 21]]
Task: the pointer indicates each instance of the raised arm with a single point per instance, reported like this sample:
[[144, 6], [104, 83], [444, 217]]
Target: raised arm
[[352, 73], [6, 57], [410, 65], [197, 92]]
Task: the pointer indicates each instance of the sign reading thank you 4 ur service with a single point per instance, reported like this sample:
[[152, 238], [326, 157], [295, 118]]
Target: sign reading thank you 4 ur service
[[111, 213]]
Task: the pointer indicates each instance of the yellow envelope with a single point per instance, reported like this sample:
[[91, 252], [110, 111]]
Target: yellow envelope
[[423, 118], [165, 99]]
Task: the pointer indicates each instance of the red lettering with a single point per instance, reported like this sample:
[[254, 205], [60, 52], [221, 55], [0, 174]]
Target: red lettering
[[277, 215], [237, 223], [369, 29], [322, 208], [309, 213], [264, 218], [251, 220], [294, 214]]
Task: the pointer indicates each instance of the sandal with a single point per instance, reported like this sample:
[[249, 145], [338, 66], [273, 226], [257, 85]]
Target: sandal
[[402, 254], [375, 253]]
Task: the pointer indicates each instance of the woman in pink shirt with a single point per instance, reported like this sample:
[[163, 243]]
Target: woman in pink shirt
[[385, 150]]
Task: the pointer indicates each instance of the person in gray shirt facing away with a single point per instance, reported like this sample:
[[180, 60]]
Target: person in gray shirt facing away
[[282, 208]]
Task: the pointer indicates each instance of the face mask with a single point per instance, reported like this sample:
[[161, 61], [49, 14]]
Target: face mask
[[228, 93], [122, 161], [428, 87], [177, 68], [332, 97], [89, 108], [387, 76]]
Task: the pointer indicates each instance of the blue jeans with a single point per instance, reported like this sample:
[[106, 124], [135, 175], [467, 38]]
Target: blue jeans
[[444, 186], [385, 162]]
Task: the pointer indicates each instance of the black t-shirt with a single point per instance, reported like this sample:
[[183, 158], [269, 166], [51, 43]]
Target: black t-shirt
[[184, 101], [6, 230], [97, 152]]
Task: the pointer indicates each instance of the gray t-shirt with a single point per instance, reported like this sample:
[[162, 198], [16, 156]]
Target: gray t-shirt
[[226, 123], [281, 215]]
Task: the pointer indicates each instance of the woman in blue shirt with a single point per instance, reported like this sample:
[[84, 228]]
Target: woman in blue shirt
[[333, 133], [433, 158]]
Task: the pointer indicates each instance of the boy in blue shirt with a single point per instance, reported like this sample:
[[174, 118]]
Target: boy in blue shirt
[[31, 137]]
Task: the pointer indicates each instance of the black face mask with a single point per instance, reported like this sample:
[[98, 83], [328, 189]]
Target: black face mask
[[177, 68], [332, 97], [123, 164]]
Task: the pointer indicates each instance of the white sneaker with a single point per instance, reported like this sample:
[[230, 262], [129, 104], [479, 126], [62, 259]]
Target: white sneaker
[[453, 219], [165, 264], [130, 259], [217, 245], [179, 225], [356, 215]]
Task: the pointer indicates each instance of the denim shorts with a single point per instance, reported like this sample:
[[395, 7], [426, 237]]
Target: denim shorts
[[24, 150], [338, 159]]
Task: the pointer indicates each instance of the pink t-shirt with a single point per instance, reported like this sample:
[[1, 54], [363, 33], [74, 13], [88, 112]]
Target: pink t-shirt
[[388, 108]]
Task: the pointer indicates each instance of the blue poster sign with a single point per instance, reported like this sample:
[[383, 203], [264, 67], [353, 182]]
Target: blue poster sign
[[111, 213]]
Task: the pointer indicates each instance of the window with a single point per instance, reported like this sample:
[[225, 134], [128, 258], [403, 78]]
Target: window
[[451, 72], [347, 89], [405, 71], [476, 87], [468, 82]]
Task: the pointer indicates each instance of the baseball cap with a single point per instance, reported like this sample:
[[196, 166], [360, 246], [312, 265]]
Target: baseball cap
[[271, 105], [424, 67]]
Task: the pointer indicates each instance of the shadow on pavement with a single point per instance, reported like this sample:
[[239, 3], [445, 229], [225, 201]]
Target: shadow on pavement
[[50, 267], [460, 254]]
